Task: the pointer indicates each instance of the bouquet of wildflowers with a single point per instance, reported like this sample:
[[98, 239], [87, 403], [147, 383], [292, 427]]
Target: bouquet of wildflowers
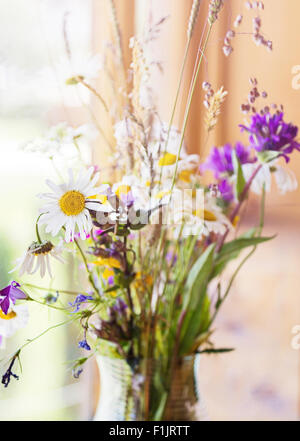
[[150, 236]]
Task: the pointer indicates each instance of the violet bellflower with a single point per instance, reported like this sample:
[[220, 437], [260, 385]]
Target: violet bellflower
[[220, 162], [226, 190], [220, 159], [81, 298], [84, 345], [10, 293], [270, 133]]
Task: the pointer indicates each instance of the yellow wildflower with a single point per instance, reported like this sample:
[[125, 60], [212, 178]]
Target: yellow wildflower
[[108, 261]]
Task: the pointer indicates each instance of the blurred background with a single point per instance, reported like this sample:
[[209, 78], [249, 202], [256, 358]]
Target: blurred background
[[260, 380]]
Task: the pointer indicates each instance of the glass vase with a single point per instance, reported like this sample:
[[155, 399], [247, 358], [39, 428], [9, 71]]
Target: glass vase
[[148, 391]]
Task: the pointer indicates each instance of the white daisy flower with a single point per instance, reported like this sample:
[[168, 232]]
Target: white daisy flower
[[69, 204], [37, 258], [165, 158], [83, 66], [200, 220], [284, 177], [58, 137], [16, 318], [64, 133], [87, 66]]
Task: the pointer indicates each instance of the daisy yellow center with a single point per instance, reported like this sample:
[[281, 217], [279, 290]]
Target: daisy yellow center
[[167, 159], [205, 214], [162, 194], [8, 316], [72, 203], [185, 175]]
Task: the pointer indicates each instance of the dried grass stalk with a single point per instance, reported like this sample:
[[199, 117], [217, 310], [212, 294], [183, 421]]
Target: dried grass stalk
[[214, 8], [117, 31], [193, 18], [214, 109]]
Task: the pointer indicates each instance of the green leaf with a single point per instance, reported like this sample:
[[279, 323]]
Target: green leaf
[[231, 250], [195, 301], [197, 275], [157, 416], [215, 351], [241, 243], [240, 180], [268, 155]]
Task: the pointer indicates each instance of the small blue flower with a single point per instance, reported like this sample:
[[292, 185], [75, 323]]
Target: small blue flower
[[76, 372], [81, 298], [84, 345]]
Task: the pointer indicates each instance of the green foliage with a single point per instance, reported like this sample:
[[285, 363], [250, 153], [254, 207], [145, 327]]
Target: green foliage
[[240, 180], [215, 350], [267, 155], [195, 300], [232, 249]]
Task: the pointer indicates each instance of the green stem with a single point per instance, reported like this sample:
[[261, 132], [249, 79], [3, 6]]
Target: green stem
[[176, 100], [94, 91], [41, 334], [51, 289], [37, 229], [86, 267], [261, 224], [189, 104], [230, 284], [46, 304]]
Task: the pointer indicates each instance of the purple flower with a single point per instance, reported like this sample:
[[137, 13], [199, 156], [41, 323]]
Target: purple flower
[[267, 132], [84, 345], [220, 159], [110, 280], [77, 236], [97, 232], [120, 306], [226, 190], [127, 199], [10, 293], [81, 298], [171, 258]]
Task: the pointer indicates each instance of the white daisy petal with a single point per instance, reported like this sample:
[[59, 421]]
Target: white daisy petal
[[43, 266], [37, 258], [48, 265], [285, 179], [38, 263], [56, 188], [20, 320], [69, 204]]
